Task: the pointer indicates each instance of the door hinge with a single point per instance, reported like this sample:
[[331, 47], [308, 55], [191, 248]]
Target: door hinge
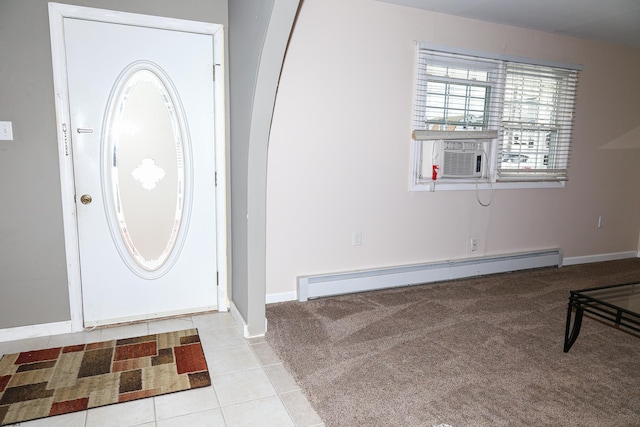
[[215, 179], [217, 279]]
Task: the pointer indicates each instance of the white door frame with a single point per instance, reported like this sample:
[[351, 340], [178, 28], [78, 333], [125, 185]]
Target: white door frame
[[57, 13]]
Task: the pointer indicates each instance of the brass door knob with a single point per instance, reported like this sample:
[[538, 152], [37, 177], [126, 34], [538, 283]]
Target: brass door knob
[[85, 199]]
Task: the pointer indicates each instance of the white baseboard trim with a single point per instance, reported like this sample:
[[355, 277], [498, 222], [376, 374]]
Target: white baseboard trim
[[365, 280], [241, 324], [382, 278], [34, 331], [281, 297], [600, 258], [237, 317]]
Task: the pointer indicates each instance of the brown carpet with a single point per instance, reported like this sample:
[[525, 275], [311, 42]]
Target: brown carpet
[[477, 352], [42, 383]]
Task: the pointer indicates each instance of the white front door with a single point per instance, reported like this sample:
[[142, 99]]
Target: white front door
[[142, 137]]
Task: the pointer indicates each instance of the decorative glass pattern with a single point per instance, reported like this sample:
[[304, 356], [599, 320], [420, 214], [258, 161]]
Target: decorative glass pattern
[[148, 174], [145, 176]]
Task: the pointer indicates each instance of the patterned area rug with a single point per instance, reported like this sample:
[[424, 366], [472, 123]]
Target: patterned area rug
[[43, 383]]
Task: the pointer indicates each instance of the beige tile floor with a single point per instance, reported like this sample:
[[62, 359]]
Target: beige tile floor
[[250, 386]]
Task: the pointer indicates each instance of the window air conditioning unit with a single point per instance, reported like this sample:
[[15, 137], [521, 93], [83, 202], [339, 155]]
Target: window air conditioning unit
[[461, 159]]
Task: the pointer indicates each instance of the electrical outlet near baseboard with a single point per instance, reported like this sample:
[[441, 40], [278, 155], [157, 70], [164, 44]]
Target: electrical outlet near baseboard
[[356, 238]]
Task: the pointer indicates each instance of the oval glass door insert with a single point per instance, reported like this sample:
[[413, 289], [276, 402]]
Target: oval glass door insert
[[146, 169]]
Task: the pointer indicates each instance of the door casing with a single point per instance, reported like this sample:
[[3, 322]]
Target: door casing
[[57, 14]]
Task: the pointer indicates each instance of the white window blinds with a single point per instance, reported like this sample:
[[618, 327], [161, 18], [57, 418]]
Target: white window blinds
[[521, 109], [456, 93], [537, 121]]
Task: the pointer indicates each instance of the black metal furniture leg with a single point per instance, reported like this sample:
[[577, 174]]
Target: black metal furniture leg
[[571, 334]]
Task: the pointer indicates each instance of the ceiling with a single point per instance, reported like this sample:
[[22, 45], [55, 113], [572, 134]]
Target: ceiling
[[612, 21]]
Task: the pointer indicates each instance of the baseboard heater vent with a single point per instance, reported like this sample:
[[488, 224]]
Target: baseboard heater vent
[[381, 278]]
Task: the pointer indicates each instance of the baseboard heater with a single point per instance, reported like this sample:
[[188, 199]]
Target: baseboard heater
[[381, 278]]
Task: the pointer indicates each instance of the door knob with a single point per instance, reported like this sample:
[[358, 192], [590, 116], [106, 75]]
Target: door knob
[[85, 199]]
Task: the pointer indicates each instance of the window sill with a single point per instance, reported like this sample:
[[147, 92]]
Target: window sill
[[457, 185]]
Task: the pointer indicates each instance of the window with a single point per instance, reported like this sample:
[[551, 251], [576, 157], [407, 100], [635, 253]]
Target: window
[[491, 119]]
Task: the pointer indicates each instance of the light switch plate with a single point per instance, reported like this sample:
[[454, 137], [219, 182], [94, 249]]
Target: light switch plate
[[6, 131]]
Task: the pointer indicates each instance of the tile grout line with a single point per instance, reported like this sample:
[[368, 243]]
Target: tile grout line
[[148, 327], [260, 367], [278, 393]]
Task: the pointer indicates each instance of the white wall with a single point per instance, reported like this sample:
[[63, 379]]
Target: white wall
[[340, 149]]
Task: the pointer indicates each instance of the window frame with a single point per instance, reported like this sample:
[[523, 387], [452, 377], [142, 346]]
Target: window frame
[[492, 134]]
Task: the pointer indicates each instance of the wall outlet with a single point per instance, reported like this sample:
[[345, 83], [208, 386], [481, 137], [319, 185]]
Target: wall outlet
[[473, 245], [356, 238]]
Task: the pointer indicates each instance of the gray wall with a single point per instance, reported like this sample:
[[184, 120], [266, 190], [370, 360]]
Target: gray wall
[[259, 33], [33, 274], [250, 20]]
